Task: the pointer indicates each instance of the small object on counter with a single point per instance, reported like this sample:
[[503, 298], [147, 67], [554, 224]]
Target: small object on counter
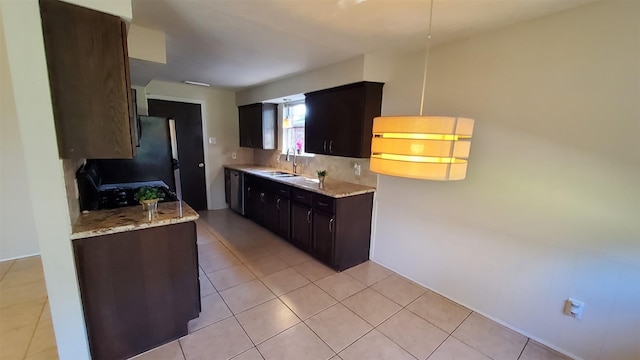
[[148, 193], [321, 176], [149, 205]]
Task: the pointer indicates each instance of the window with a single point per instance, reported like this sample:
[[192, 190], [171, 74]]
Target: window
[[293, 126]]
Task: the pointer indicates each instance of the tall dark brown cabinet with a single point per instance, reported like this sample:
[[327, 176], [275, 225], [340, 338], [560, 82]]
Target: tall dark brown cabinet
[[88, 68]]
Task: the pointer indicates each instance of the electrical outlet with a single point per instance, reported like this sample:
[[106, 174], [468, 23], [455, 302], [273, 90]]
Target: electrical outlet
[[357, 169], [212, 140], [234, 155], [574, 308]]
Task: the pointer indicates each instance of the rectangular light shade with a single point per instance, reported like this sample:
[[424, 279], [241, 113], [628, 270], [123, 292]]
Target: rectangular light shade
[[421, 147]]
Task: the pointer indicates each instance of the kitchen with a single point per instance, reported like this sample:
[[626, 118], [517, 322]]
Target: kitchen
[[223, 154]]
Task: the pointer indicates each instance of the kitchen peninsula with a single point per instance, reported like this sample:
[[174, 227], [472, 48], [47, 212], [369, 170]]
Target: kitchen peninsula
[[138, 277]]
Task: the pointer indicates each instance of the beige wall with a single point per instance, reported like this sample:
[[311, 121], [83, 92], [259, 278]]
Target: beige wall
[[551, 203], [221, 122], [17, 233]]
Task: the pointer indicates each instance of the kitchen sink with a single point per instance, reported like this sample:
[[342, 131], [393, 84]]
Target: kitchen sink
[[279, 174]]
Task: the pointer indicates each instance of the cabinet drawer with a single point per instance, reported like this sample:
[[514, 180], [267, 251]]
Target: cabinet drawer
[[325, 203], [301, 196], [282, 190]]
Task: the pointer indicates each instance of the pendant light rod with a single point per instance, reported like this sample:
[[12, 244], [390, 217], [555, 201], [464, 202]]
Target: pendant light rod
[[426, 59]]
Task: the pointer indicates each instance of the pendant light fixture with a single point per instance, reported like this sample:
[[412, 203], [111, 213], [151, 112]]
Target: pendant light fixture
[[421, 147], [286, 122]]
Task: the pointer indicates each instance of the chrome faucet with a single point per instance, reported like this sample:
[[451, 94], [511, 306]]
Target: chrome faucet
[[295, 164]]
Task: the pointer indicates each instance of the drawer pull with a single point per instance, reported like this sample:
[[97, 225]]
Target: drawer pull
[[299, 196], [322, 204]]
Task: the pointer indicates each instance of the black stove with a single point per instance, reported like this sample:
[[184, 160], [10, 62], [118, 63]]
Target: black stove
[[116, 197], [94, 195]]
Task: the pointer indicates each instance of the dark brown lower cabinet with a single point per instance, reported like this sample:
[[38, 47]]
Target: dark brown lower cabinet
[[336, 231], [323, 236], [139, 288], [283, 207], [301, 225]]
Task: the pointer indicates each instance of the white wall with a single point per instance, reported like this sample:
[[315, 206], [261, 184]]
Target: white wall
[[44, 170], [121, 8], [551, 204], [17, 234], [221, 117], [344, 72]]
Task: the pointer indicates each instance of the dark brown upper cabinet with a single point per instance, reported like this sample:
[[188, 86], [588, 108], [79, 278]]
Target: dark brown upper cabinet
[[258, 125], [88, 67], [339, 120]]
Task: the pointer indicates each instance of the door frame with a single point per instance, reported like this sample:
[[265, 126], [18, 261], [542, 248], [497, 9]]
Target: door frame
[[205, 135]]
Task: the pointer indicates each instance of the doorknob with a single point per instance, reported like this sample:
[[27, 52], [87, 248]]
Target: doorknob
[[201, 165]]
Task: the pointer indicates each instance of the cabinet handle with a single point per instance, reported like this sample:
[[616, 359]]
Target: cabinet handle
[[309, 216], [324, 145], [299, 197], [322, 204], [261, 197], [331, 146], [249, 191], [278, 204], [331, 225]]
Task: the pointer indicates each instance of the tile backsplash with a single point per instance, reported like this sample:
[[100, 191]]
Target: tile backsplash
[[70, 167], [339, 168]]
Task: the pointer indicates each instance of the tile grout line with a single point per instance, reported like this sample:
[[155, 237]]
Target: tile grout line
[[36, 328], [524, 347], [13, 262], [337, 302], [341, 303]]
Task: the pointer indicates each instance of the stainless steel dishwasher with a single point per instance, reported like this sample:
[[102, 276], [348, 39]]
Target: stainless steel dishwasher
[[237, 191]]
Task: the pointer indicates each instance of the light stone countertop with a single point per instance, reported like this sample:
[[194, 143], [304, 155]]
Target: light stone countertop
[[333, 188], [103, 222]]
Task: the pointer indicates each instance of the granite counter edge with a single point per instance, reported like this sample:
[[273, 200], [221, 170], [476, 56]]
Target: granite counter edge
[[131, 227], [256, 169]]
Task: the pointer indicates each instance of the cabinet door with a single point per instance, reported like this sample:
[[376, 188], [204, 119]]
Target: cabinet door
[[317, 113], [301, 218], [88, 69], [250, 124], [270, 203], [345, 123], [323, 236], [251, 199], [284, 217], [227, 186]]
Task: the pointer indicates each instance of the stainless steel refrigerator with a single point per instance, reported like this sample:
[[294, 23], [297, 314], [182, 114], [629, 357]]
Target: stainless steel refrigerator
[[155, 159]]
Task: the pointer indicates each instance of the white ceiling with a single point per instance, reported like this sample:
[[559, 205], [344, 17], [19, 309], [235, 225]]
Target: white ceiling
[[241, 43]]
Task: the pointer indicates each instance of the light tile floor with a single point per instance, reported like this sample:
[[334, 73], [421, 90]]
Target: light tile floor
[[26, 331], [264, 299]]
